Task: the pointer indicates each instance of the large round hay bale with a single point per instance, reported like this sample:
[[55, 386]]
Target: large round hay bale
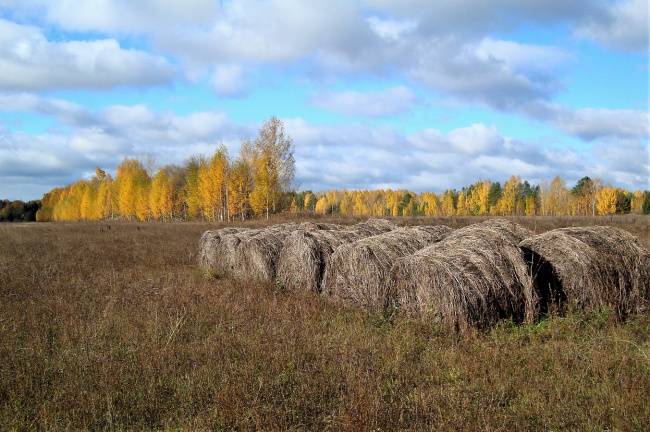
[[209, 246], [509, 228], [305, 254], [356, 272], [225, 261], [471, 279], [256, 255], [374, 226], [317, 226], [590, 268]]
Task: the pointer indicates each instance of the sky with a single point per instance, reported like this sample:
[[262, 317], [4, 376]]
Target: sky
[[424, 95]]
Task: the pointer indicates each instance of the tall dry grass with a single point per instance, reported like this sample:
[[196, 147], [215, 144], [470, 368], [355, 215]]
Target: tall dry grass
[[117, 329]]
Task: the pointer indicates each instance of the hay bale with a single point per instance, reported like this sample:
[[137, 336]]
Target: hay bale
[[209, 246], [474, 277], [317, 226], [374, 226], [515, 231], [304, 256], [590, 267], [356, 272], [225, 261], [256, 255]]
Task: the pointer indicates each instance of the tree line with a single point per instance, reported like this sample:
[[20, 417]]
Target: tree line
[[18, 211], [514, 197], [258, 182]]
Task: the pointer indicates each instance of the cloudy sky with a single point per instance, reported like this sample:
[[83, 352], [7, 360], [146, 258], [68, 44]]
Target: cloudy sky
[[422, 94]]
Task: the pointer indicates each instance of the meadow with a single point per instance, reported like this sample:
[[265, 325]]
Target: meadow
[[112, 326]]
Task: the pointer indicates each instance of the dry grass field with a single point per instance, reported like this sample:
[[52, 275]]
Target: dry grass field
[[111, 326]]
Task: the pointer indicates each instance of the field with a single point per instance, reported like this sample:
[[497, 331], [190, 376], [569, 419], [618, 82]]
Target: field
[[111, 326]]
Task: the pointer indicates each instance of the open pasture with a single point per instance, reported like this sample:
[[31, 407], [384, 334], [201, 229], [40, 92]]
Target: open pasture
[[111, 326]]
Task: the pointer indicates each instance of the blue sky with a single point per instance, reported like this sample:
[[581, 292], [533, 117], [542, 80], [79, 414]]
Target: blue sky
[[423, 95]]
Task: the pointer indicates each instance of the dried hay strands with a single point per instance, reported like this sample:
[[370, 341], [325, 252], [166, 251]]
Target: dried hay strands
[[316, 226], [590, 267], [304, 256], [209, 246], [471, 279], [225, 260], [512, 229], [256, 256], [357, 271], [374, 226]]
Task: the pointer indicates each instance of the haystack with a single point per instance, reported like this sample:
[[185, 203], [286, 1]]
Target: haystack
[[317, 226], [511, 229], [304, 255], [225, 257], [471, 279], [590, 267], [209, 246], [356, 272], [256, 256]]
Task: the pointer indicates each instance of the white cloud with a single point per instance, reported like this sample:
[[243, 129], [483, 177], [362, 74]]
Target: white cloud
[[623, 25], [428, 140], [522, 57], [328, 156], [228, 80], [445, 45], [476, 139], [29, 156], [471, 18], [374, 103], [30, 62], [94, 141], [496, 73], [275, 31], [390, 29], [593, 124], [450, 47], [118, 16], [336, 157], [66, 112]]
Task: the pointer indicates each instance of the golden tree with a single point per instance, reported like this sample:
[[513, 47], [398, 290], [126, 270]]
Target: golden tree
[[558, 197], [431, 204], [191, 191], [273, 167], [508, 203], [155, 195], [462, 208], [447, 207], [322, 205], [240, 186], [607, 199]]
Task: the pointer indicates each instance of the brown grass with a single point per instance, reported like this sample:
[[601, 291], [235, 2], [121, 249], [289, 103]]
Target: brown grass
[[118, 330], [471, 279], [590, 268], [356, 272]]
